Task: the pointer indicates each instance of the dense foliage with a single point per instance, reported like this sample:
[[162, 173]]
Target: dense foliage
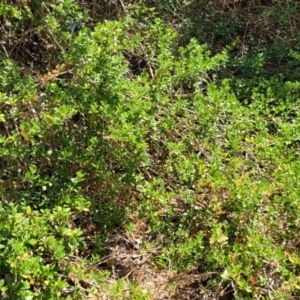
[[149, 150]]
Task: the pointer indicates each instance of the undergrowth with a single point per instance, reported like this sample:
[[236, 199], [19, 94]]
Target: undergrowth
[[157, 140]]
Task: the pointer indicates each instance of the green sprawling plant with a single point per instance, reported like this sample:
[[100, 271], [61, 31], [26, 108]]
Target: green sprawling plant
[[127, 133]]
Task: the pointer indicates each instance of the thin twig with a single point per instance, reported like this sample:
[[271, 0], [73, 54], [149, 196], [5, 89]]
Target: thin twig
[[123, 6], [4, 50]]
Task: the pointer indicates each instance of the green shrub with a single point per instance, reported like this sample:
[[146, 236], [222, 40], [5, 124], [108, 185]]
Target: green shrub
[[126, 120]]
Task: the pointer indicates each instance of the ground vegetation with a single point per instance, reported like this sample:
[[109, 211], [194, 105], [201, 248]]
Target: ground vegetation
[[149, 149]]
